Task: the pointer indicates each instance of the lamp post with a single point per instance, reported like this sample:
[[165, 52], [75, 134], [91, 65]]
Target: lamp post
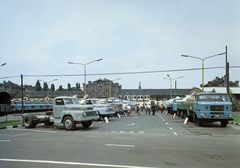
[[169, 78], [203, 65], [110, 89], [3, 64], [47, 85], [84, 71]]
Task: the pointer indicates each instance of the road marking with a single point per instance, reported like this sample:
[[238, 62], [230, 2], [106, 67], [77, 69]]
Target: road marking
[[175, 133], [130, 132], [5, 140], [118, 145], [141, 132], [34, 130], [170, 128], [163, 120], [131, 124], [121, 132], [166, 123], [70, 163]]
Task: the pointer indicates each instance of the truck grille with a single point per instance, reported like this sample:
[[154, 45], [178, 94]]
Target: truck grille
[[91, 113], [216, 108]]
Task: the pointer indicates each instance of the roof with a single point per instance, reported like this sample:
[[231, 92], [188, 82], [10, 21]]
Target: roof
[[153, 91], [234, 90]]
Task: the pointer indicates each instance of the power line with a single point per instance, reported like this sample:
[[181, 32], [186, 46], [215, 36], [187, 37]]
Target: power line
[[123, 73]]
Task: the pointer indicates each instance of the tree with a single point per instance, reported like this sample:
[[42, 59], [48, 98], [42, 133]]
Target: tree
[[45, 86], [38, 86], [77, 86], [52, 87], [60, 88], [69, 87]]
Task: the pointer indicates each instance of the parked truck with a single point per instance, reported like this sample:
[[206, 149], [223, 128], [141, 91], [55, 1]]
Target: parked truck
[[207, 107], [66, 110], [104, 110]]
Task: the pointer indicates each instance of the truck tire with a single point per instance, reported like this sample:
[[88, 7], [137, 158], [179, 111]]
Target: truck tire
[[224, 123], [69, 124], [190, 118], [199, 121], [86, 124], [29, 122]]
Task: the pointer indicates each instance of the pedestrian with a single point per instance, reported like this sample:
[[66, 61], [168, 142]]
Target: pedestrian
[[138, 109], [153, 109], [135, 108], [146, 108], [129, 109], [149, 109], [162, 108]]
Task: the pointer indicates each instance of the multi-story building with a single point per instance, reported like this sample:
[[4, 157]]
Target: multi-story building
[[102, 88]]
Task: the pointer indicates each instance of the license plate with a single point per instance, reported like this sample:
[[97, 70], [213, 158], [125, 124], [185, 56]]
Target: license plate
[[217, 115]]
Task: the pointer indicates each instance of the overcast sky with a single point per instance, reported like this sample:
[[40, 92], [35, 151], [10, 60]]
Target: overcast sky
[[40, 37]]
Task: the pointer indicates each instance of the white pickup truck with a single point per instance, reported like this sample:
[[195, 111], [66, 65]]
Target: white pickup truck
[[104, 110], [66, 110]]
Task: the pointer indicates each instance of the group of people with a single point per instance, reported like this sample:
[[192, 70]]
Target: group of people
[[147, 107], [136, 109]]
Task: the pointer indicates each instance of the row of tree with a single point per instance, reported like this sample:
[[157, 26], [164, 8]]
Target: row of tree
[[38, 87]]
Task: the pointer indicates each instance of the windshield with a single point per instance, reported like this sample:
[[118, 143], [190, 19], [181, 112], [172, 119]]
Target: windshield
[[214, 97], [71, 101], [96, 102]]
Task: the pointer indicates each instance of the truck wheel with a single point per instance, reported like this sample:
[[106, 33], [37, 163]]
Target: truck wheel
[[68, 123], [28, 121], [224, 123], [199, 122], [87, 124], [190, 118]]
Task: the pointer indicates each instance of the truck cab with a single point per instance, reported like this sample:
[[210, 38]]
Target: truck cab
[[211, 107], [104, 110], [69, 111]]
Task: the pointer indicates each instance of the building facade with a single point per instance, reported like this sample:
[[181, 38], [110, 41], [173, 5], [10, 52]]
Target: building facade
[[102, 88]]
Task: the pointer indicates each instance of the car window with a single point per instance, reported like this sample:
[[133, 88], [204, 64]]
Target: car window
[[59, 102]]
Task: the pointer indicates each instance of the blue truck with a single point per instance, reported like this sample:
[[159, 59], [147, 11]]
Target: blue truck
[[207, 107]]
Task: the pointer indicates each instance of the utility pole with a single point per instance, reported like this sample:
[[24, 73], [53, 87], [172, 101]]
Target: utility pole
[[227, 73], [22, 92]]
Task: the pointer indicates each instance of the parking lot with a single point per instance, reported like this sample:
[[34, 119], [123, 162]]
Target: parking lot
[[135, 141]]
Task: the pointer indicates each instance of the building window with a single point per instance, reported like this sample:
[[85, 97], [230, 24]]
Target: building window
[[100, 87], [93, 89], [106, 88]]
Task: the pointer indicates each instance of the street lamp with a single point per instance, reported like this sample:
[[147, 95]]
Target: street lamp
[[3, 64], [47, 85], [110, 89], [84, 70], [171, 82], [203, 65]]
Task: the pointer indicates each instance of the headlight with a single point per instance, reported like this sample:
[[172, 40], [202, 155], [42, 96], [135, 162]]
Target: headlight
[[203, 115], [230, 115], [84, 114]]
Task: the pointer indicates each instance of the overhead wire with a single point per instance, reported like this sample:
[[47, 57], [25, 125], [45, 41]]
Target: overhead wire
[[121, 73]]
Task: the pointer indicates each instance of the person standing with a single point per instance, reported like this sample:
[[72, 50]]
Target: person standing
[[146, 108], [138, 109], [129, 109]]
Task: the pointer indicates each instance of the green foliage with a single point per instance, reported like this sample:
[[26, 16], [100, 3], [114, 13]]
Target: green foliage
[[69, 87], [11, 123], [52, 87], [45, 86], [38, 86], [236, 118]]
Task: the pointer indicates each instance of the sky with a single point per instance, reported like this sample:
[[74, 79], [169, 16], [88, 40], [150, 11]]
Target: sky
[[39, 37]]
